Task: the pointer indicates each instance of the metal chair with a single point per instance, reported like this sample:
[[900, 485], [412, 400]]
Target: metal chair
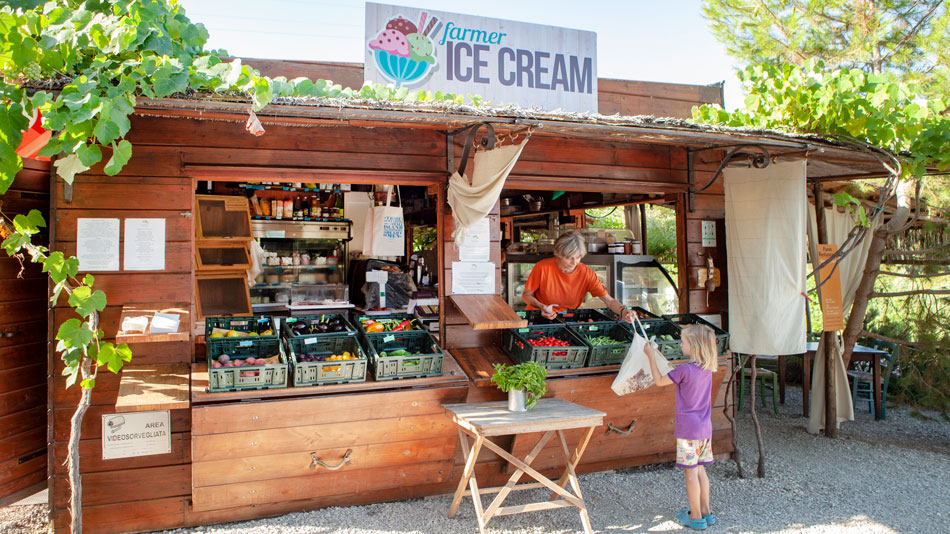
[[765, 379], [862, 377]]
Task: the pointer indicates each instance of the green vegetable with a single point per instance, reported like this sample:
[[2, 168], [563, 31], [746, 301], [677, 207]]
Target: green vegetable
[[604, 340], [528, 376]]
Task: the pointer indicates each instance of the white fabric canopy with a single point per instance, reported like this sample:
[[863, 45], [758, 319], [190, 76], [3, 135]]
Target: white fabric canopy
[[471, 203], [765, 244], [850, 270]]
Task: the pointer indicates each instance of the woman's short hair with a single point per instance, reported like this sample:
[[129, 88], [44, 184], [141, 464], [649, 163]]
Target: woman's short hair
[[569, 244]]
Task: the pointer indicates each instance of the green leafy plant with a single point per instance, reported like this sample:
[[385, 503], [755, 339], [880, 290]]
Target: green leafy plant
[[529, 376]]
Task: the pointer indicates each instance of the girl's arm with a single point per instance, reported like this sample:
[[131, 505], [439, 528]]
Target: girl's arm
[[658, 378]]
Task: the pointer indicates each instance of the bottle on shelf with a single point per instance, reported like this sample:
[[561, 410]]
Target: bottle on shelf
[[298, 208], [288, 209], [277, 209]]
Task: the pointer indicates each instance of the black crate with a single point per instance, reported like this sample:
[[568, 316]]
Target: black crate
[[722, 337], [609, 354], [268, 376], [535, 318], [666, 334], [326, 372], [416, 324], [426, 359], [587, 316], [243, 324], [515, 341], [291, 321]]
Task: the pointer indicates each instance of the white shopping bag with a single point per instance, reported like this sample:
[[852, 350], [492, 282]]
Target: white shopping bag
[[385, 232], [635, 372]]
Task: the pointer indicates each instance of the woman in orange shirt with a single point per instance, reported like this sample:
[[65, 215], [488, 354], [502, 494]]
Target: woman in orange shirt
[[562, 282]]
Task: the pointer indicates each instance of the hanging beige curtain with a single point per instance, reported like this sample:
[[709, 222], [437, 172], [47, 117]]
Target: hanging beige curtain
[[850, 269], [472, 202]]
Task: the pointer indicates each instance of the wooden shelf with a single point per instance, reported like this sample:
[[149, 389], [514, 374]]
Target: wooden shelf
[[452, 375], [149, 310], [487, 312], [149, 387], [477, 363]]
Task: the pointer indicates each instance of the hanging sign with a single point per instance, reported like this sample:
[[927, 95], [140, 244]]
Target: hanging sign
[[832, 313], [502, 61]]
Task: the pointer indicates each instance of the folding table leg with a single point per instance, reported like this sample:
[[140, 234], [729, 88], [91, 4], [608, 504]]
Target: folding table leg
[[468, 475], [575, 484], [575, 459], [515, 477]]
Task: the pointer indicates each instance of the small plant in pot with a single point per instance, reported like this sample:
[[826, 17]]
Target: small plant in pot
[[523, 382]]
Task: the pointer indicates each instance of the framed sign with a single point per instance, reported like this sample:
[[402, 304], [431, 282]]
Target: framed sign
[[502, 61], [125, 435]]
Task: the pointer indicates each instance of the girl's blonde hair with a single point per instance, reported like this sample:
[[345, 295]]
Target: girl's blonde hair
[[702, 341]]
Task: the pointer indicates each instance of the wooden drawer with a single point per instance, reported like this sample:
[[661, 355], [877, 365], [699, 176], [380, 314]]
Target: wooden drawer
[[266, 452]]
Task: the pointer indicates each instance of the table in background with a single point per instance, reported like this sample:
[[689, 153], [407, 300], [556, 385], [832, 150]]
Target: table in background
[[859, 354], [481, 420]]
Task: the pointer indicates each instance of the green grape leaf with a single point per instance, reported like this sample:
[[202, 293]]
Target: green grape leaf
[[121, 153], [89, 154], [74, 333], [68, 167], [86, 301]]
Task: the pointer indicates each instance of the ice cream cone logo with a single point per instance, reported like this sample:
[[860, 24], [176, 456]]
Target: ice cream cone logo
[[404, 51]]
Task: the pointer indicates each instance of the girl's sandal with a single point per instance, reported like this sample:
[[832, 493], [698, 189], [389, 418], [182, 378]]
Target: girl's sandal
[[696, 524]]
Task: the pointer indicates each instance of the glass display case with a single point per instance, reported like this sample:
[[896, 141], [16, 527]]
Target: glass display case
[[627, 277], [304, 265]]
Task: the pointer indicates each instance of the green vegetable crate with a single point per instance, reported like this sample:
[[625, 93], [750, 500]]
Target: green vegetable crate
[[682, 319], [389, 321], [586, 316], [291, 330], [572, 356], [608, 344], [246, 377], [412, 354], [317, 373], [243, 325], [667, 337], [535, 318]]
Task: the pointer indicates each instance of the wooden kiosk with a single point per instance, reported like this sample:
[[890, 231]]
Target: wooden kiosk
[[253, 454]]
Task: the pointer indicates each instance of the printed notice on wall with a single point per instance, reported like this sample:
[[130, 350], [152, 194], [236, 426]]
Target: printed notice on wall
[[97, 244], [477, 242], [144, 245], [473, 278], [832, 313], [125, 435]]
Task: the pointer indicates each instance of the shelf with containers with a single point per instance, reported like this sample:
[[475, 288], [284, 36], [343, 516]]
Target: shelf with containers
[[304, 264]]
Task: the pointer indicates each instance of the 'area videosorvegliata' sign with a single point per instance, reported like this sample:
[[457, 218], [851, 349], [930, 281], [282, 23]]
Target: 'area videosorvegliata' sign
[[504, 62]]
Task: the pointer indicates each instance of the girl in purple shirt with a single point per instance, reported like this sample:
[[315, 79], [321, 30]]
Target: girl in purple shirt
[[693, 431]]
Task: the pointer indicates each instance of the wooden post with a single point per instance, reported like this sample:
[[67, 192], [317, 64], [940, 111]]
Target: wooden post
[[831, 413], [643, 229]]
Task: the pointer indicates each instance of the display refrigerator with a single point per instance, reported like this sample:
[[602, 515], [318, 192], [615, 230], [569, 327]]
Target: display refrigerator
[[304, 265], [634, 280]]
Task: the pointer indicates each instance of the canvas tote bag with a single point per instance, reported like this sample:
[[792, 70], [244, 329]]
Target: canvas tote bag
[[385, 232], [635, 372]]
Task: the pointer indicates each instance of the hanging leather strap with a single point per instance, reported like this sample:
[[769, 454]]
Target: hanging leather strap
[[488, 142]]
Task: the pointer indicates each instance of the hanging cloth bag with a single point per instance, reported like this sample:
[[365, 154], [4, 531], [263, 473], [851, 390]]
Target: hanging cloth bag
[[385, 232], [472, 200], [634, 374]]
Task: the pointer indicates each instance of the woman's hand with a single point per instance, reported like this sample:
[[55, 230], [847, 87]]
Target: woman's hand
[[548, 312]]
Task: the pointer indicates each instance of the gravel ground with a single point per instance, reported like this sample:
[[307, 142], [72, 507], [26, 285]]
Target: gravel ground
[[879, 477]]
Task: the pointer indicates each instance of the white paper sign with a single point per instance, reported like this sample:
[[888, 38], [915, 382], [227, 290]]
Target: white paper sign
[[473, 278], [144, 245], [477, 243], [97, 244], [503, 61], [125, 435]]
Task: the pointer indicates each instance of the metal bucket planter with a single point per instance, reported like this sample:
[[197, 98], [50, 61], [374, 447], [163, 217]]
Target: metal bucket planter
[[516, 401]]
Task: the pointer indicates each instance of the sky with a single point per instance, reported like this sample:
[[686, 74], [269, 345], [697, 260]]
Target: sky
[[647, 40]]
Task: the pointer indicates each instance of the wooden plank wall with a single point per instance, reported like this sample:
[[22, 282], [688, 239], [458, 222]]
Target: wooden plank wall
[[613, 96], [23, 325], [114, 497]]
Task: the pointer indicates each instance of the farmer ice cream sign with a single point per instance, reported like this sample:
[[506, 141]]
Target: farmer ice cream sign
[[504, 62]]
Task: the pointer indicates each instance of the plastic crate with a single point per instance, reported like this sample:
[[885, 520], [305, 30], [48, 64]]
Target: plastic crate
[[290, 321], [573, 356], [587, 316], [611, 354], [535, 318], [392, 316], [426, 360], [722, 337], [269, 376], [326, 372], [671, 349], [243, 324]]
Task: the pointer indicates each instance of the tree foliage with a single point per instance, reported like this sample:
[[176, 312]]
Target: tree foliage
[[907, 38]]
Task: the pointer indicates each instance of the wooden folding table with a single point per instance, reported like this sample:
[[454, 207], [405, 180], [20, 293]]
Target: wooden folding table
[[478, 421]]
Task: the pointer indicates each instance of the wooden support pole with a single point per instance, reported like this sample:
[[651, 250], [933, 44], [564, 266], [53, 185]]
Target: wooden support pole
[[831, 413], [643, 229]]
